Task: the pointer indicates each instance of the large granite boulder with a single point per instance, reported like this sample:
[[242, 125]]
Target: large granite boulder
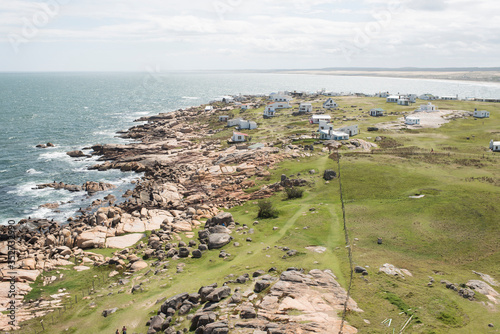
[[218, 240]]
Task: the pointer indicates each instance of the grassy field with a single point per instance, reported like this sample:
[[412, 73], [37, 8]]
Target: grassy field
[[451, 231]]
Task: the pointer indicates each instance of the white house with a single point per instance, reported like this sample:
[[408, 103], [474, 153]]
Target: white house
[[330, 134], [427, 97], [234, 122], [305, 107], [330, 104], [239, 137], [450, 97], [223, 118], [495, 146], [351, 130], [392, 99], [315, 119], [412, 120], [227, 99], [269, 112], [280, 97], [209, 108], [377, 112], [244, 107], [412, 97], [279, 105], [250, 125], [323, 125], [382, 94], [481, 113], [403, 101], [429, 107]]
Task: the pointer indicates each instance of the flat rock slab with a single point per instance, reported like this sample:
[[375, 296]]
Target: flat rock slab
[[124, 241], [81, 268]]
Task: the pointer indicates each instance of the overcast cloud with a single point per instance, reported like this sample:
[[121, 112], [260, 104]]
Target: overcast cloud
[[126, 35]]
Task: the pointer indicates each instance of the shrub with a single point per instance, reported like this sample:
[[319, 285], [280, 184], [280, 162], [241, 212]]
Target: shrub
[[293, 192], [267, 210]]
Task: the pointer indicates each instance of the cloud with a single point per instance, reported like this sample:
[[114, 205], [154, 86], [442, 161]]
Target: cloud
[[297, 32]]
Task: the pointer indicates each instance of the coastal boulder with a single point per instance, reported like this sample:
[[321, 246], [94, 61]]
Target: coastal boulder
[[222, 218], [91, 239], [75, 154], [218, 240]]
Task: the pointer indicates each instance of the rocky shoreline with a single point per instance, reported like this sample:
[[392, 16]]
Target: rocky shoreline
[[187, 177]]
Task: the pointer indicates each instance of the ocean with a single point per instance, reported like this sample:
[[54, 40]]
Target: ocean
[[77, 110]]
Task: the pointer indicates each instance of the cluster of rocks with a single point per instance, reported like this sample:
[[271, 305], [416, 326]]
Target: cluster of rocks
[[462, 291], [261, 303], [49, 144], [90, 187]]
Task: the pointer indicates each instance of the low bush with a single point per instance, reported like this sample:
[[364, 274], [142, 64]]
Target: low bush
[[293, 192], [267, 210]]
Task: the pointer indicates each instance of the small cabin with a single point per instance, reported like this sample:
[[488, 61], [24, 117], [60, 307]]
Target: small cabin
[[495, 146], [269, 111], [481, 113], [239, 137], [331, 134], [330, 104], [323, 125], [351, 130], [280, 98], [223, 118], [315, 119], [392, 99], [305, 108], [403, 101], [279, 105], [449, 98], [429, 107], [377, 112], [209, 108], [245, 107], [250, 125], [382, 94], [412, 120], [427, 97], [233, 122]]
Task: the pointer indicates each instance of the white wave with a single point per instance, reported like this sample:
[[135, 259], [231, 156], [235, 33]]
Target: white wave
[[107, 133], [39, 213], [33, 171], [56, 155], [142, 112], [191, 97], [3, 171]]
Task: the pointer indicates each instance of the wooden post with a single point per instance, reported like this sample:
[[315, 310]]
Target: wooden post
[[41, 322]]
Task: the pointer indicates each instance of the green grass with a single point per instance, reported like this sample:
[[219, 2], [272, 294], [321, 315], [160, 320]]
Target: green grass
[[445, 235]]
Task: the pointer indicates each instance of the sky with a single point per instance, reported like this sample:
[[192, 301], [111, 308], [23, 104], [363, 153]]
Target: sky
[[165, 35]]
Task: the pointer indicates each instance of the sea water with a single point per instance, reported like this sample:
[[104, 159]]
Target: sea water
[[77, 110]]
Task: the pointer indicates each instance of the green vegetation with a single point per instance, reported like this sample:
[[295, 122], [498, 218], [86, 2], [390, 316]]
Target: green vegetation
[[293, 192], [267, 210], [446, 234]]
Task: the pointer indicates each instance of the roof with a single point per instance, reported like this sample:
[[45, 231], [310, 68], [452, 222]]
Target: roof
[[240, 134], [306, 104], [393, 97], [412, 117], [377, 109], [321, 116], [339, 133], [496, 143]]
